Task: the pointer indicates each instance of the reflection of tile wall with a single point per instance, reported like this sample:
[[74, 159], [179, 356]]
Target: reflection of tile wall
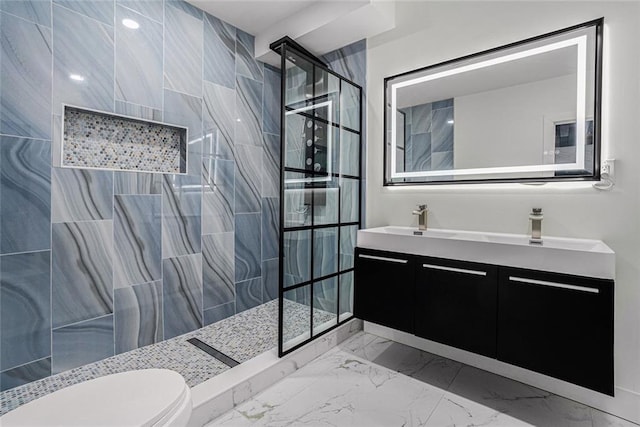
[[429, 136], [94, 262]]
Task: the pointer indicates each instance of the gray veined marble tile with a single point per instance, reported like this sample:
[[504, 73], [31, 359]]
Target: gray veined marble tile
[[101, 10], [82, 343], [271, 166], [270, 227], [139, 111], [345, 303], [218, 272], [138, 316], [442, 130], [138, 60], [219, 52], [185, 7], [325, 298], [350, 106], [420, 149], [36, 11], [442, 160], [445, 103], [137, 183], [421, 117], [246, 64], [186, 110], [325, 204], [81, 195], [25, 309], [349, 200], [350, 61], [325, 251], [25, 374], [297, 257], [247, 251], [182, 294], [82, 273], [25, 194], [348, 236], [153, 9], [270, 279], [25, 78], [79, 43], [183, 37], [271, 101], [249, 111], [215, 314], [218, 195], [219, 106], [181, 215], [349, 147], [248, 294], [137, 229], [248, 178]]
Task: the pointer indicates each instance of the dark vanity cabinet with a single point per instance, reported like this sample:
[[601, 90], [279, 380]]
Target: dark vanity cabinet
[[456, 304], [558, 325], [384, 288], [555, 324]]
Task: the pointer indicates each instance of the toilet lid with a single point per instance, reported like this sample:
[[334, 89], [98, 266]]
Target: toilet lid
[[134, 398]]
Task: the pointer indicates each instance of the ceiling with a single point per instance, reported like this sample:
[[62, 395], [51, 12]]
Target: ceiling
[[243, 13], [319, 25]]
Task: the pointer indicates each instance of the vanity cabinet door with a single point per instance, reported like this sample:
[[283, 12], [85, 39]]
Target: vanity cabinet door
[[384, 288], [558, 325], [455, 304]]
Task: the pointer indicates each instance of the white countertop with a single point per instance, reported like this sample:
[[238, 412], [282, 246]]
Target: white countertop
[[581, 257]]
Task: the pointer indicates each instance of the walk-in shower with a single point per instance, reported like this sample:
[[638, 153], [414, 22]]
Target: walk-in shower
[[320, 184]]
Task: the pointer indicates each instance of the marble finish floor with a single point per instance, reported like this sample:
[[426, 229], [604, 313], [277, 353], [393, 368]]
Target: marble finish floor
[[241, 337], [370, 381]]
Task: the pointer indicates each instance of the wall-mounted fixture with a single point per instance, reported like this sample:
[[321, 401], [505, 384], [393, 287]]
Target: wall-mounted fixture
[[525, 112]]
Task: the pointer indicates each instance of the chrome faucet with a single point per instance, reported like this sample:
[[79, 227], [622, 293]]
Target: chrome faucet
[[422, 216], [536, 226]]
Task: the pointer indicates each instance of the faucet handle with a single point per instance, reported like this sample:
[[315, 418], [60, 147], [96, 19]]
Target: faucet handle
[[422, 207]]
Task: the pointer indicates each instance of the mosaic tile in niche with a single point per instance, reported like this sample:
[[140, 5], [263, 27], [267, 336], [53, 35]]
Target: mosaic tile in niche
[[99, 140]]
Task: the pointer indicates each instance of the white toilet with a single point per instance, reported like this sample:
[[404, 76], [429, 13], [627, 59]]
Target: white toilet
[[149, 397]]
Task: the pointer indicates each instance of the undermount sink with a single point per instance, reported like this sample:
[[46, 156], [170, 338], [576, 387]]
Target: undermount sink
[[581, 257]]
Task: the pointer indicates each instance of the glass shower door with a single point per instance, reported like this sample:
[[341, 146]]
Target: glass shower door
[[320, 200]]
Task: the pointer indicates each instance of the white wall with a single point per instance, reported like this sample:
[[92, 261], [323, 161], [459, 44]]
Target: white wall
[[431, 32], [508, 123]]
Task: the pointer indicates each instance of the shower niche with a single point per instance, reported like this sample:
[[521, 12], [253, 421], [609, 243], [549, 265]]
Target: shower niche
[[99, 140]]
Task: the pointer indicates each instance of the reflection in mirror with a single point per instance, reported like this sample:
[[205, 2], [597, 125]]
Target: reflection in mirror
[[528, 111]]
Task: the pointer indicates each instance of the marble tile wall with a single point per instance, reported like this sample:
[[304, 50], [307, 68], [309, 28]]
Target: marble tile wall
[[93, 262]]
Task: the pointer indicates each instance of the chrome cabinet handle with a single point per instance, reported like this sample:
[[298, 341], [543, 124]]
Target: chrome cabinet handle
[[554, 284], [455, 270], [380, 258]]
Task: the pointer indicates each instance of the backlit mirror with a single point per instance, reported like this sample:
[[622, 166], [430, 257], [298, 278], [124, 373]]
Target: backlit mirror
[[528, 111]]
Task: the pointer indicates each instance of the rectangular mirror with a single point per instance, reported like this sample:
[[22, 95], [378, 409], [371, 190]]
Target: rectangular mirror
[[525, 112]]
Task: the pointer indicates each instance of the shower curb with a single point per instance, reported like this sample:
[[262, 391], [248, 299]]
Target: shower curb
[[223, 392]]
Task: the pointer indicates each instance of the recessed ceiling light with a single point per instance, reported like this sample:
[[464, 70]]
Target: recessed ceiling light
[[238, 120], [130, 23], [76, 77]]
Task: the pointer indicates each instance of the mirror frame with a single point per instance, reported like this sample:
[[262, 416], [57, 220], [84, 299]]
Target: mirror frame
[[598, 24]]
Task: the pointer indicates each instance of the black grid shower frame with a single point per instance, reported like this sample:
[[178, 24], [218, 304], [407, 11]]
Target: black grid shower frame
[[282, 48]]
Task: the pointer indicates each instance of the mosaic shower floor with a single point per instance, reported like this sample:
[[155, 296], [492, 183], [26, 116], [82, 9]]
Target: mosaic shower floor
[[240, 337]]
